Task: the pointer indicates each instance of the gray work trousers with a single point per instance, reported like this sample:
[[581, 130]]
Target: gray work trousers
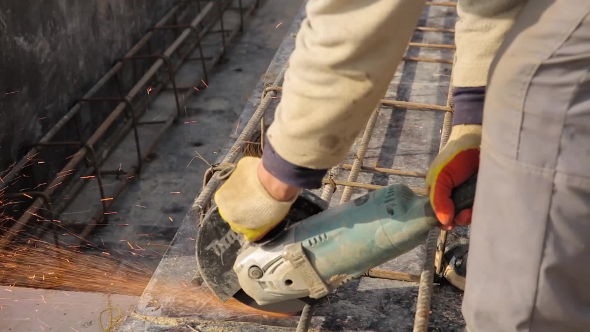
[[529, 258]]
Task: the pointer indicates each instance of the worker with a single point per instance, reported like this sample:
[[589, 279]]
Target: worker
[[522, 70]]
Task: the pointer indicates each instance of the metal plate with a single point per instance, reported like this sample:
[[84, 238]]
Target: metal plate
[[217, 247]]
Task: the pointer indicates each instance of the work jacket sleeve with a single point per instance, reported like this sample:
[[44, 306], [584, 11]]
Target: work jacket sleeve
[[345, 56], [480, 30]]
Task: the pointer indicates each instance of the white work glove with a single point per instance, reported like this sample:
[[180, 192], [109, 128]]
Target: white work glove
[[245, 204]]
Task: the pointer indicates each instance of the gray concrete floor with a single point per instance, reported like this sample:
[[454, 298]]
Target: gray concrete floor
[[155, 205], [25, 309]]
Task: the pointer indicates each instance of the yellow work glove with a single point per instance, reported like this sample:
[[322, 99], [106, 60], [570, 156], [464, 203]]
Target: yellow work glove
[[455, 164], [244, 203]]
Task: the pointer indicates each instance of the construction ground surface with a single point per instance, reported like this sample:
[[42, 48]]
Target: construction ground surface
[[404, 139], [157, 217]]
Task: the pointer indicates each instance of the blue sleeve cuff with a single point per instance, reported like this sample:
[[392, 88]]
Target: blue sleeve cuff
[[301, 177], [468, 105]]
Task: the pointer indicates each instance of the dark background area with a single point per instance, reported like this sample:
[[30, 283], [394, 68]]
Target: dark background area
[[52, 53]]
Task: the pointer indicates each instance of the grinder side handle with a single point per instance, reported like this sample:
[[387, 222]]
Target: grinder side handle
[[462, 196]]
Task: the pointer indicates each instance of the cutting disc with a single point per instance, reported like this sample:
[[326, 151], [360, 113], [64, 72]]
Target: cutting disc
[[217, 248]]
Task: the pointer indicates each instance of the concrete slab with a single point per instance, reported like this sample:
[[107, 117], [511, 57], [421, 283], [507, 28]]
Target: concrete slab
[[26, 309]]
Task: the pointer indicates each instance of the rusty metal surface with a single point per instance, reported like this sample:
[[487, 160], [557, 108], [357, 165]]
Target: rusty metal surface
[[402, 138]]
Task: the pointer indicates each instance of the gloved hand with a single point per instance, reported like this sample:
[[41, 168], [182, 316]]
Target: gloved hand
[[245, 204], [455, 164]]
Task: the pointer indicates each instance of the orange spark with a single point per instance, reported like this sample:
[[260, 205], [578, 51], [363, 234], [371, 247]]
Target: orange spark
[[29, 196], [130, 246], [55, 185], [175, 192], [205, 84], [278, 25], [87, 177], [170, 218], [149, 89], [196, 89], [107, 199]]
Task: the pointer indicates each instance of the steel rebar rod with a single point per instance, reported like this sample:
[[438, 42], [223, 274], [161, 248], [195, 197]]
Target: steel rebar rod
[[416, 106], [442, 238], [425, 289], [387, 170], [392, 275], [360, 154]]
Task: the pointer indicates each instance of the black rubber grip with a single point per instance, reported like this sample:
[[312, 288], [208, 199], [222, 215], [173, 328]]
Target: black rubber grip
[[462, 196]]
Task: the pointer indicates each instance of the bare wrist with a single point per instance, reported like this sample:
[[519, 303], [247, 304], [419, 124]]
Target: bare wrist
[[279, 190]]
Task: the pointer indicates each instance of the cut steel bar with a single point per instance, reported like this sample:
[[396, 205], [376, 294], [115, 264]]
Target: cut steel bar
[[105, 125], [330, 185], [434, 29], [417, 59], [386, 170], [416, 106], [77, 107], [426, 45], [392, 275]]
